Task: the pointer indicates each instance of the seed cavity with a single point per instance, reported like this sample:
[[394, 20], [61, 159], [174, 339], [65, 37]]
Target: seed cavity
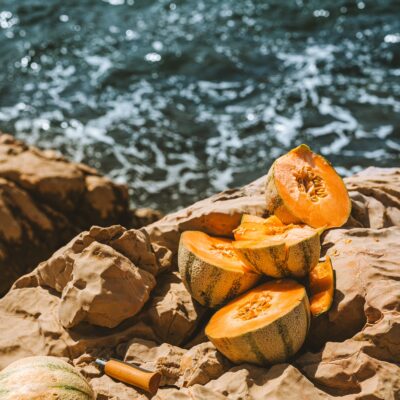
[[269, 230], [311, 183], [224, 249], [258, 305]]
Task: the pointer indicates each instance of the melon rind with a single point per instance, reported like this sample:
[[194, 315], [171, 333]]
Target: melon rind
[[44, 378], [209, 284], [273, 343], [279, 260]]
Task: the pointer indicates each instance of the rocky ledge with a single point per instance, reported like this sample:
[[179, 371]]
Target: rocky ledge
[[45, 200], [115, 292]]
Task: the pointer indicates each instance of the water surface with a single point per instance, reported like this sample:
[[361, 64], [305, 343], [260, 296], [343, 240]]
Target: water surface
[[183, 99]]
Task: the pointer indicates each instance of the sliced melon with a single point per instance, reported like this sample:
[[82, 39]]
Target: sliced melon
[[278, 250], [252, 227], [211, 270], [266, 325], [303, 187], [322, 287], [43, 378]]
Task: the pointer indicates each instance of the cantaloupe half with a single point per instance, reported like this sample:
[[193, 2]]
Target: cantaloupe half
[[322, 287], [266, 325], [275, 249], [302, 187], [43, 378], [211, 270]]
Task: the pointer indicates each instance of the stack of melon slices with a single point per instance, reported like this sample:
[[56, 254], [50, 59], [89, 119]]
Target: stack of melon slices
[[269, 323]]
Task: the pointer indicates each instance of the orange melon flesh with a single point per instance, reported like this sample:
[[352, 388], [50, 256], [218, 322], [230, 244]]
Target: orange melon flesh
[[322, 288], [214, 250], [310, 190], [284, 296], [254, 228]]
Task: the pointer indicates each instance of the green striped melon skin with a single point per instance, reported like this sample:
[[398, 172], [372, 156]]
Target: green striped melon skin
[[273, 343], [209, 284], [44, 378], [280, 260]]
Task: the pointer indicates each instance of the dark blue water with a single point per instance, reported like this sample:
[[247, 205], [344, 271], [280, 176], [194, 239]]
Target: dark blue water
[[182, 99]]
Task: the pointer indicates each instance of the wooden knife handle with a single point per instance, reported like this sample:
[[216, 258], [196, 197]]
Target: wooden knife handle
[[133, 375]]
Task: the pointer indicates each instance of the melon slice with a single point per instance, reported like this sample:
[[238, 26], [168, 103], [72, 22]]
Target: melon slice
[[322, 287], [266, 325], [211, 270], [252, 227], [43, 378], [275, 249], [303, 187]]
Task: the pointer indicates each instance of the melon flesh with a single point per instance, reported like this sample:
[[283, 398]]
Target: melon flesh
[[303, 187], [266, 325], [211, 270], [322, 287], [276, 249]]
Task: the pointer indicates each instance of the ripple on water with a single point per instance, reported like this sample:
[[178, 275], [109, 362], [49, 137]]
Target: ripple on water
[[180, 100]]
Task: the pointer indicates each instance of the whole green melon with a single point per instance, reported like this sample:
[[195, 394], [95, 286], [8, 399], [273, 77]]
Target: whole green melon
[[44, 378]]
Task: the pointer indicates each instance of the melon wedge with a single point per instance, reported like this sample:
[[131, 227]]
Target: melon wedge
[[275, 249], [302, 187], [322, 287], [266, 325], [211, 270]]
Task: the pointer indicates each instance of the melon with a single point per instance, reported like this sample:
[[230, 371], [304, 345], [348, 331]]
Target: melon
[[43, 378], [322, 287], [266, 325], [302, 187], [275, 249], [211, 270]]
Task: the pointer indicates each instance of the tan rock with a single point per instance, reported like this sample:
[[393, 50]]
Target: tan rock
[[217, 215], [347, 369], [107, 388], [355, 346], [280, 382], [201, 364], [375, 194], [29, 325], [105, 289], [44, 201], [165, 358], [173, 313], [144, 216], [196, 392]]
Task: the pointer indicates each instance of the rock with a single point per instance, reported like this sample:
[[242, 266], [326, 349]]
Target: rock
[[217, 215], [359, 339], [134, 245], [349, 369], [29, 325], [280, 382], [144, 216], [105, 289], [196, 392], [173, 313], [353, 351], [201, 364], [44, 201], [164, 359], [375, 195], [107, 388]]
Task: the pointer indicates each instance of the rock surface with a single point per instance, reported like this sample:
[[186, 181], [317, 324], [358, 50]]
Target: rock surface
[[352, 352], [45, 200]]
